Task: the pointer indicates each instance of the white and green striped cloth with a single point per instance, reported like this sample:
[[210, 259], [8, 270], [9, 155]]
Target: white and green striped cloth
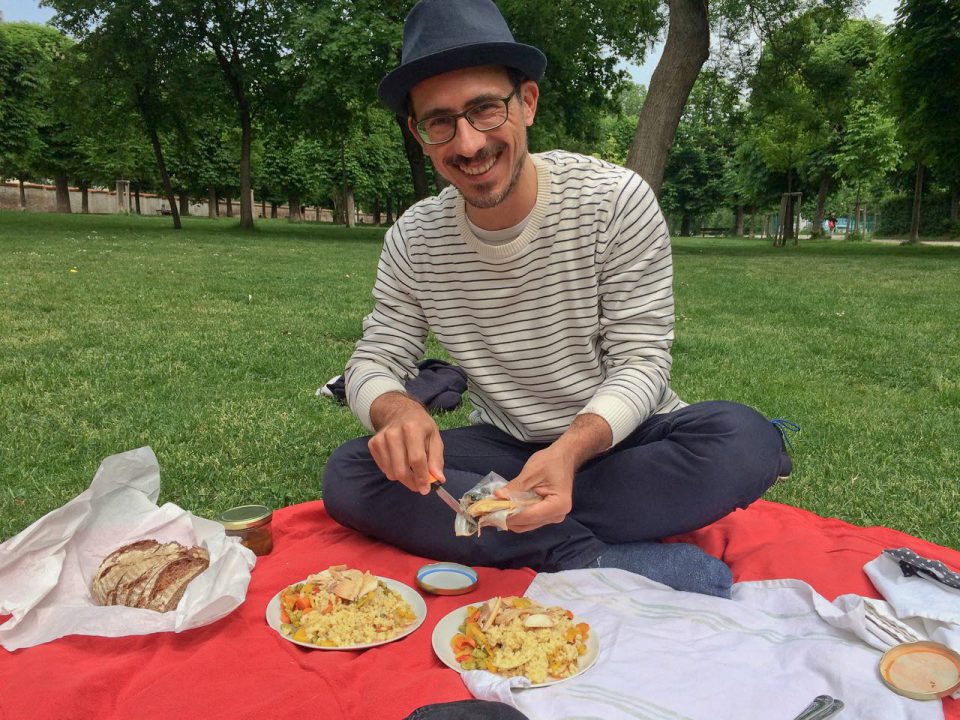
[[670, 655]]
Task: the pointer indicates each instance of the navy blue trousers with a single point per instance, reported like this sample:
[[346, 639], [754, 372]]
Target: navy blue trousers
[[675, 473]]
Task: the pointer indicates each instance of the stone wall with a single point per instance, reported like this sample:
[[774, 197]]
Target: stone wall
[[43, 198]]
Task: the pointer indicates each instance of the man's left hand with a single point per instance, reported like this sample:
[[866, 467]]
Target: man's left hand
[[549, 473]]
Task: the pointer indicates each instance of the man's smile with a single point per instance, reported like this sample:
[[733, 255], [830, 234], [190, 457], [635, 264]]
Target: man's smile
[[479, 164]]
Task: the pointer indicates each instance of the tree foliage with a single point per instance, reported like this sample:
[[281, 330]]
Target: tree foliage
[[29, 55]]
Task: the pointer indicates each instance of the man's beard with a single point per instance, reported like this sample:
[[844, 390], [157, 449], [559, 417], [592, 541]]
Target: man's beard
[[482, 197]]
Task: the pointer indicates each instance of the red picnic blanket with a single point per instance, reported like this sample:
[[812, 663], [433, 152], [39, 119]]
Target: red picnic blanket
[[240, 668]]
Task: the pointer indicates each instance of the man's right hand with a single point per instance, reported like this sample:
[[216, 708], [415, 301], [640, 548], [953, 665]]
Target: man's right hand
[[407, 445]]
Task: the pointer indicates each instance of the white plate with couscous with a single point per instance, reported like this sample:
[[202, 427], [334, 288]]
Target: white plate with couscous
[[387, 612], [545, 655]]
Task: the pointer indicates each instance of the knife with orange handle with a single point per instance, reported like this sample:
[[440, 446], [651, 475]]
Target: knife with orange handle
[[437, 487]]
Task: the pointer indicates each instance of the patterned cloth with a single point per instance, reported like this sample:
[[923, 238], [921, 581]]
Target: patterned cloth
[[912, 564]]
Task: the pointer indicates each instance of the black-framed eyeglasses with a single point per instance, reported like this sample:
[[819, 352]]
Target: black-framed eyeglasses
[[484, 116]]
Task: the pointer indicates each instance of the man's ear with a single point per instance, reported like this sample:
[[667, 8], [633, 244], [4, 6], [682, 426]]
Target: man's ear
[[412, 125], [529, 95]]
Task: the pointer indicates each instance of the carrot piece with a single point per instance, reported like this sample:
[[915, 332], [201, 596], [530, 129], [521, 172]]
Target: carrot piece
[[303, 603], [460, 643]]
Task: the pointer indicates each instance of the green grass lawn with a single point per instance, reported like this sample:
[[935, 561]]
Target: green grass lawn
[[208, 345]]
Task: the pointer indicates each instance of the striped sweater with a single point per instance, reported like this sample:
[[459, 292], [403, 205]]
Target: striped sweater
[[574, 315]]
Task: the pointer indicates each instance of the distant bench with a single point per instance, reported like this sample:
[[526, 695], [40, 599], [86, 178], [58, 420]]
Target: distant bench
[[164, 211], [715, 231]]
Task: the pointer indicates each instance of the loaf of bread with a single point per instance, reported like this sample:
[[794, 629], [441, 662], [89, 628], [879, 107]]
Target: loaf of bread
[[148, 574]]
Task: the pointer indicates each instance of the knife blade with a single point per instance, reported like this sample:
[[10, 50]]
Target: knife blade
[[437, 487]]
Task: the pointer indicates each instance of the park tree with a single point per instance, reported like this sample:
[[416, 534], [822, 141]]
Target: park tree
[[583, 43], [748, 180], [744, 26], [248, 40], [384, 183], [137, 48], [693, 178], [844, 68], [816, 73], [925, 69], [686, 49], [617, 126], [868, 151], [60, 158], [26, 51], [291, 168], [340, 51]]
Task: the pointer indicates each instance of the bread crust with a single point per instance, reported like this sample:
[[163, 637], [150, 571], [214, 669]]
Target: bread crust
[[148, 574]]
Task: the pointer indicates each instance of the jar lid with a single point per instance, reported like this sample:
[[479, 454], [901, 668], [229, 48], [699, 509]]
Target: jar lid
[[446, 578], [921, 670], [244, 517]]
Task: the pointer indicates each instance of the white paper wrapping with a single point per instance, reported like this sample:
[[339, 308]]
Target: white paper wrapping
[[46, 570]]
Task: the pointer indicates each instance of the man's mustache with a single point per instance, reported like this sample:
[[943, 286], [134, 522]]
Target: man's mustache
[[482, 155]]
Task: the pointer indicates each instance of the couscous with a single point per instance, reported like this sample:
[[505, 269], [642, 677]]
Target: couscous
[[513, 636], [342, 606]]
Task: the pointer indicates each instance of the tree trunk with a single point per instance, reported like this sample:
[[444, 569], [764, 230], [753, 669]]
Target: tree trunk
[[686, 49], [738, 221], [63, 193], [154, 137], [765, 232], [389, 211], [955, 204], [846, 234], [293, 203], [788, 226], [273, 210], [318, 212], [263, 207], [229, 206], [856, 212], [84, 197], [211, 202], [184, 204], [136, 196], [23, 195], [778, 239], [915, 215], [685, 225], [246, 192], [752, 222], [822, 202], [350, 207], [418, 168]]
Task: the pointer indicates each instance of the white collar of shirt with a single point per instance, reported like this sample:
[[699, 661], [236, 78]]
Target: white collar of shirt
[[500, 237]]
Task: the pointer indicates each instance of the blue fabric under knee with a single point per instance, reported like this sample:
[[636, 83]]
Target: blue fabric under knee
[[679, 565]]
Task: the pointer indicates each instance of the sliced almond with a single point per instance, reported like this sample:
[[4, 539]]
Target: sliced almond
[[489, 612], [538, 620]]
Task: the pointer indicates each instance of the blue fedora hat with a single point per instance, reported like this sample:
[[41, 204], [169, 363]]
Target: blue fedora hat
[[444, 35]]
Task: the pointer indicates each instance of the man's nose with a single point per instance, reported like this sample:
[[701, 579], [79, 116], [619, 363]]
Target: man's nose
[[468, 139]]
